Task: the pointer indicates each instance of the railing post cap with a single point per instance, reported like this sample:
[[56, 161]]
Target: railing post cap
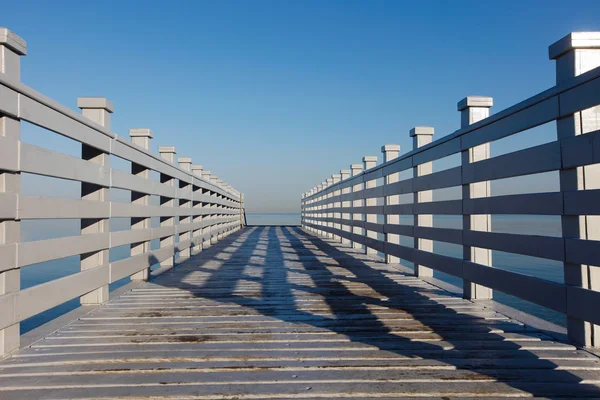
[[141, 132], [95, 102], [390, 147], [345, 171], [572, 41], [356, 166], [369, 158], [475, 101], [184, 160], [13, 41], [167, 149], [421, 130], [196, 167]]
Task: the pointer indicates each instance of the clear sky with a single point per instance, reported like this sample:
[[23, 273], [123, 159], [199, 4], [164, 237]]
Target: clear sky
[[275, 96]]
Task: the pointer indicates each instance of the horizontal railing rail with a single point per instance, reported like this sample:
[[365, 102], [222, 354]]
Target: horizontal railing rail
[[363, 207], [195, 208]]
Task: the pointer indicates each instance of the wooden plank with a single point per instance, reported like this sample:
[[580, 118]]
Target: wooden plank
[[582, 202], [40, 161], [129, 266], [441, 149], [8, 205], [8, 256], [446, 207], [39, 114], [34, 207], [538, 159], [544, 293], [127, 181], [121, 238], [53, 249], [438, 180], [580, 97], [9, 153], [535, 204], [531, 245], [268, 312], [537, 114], [581, 251]]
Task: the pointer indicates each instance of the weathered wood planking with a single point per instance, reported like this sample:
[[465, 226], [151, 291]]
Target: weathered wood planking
[[274, 313]]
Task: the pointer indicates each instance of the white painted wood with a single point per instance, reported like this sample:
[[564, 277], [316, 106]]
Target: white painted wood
[[92, 130], [40, 161], [538, 159], [130, 266], [473, 110], [573, 155], [121, 238], [46, 117], [8, 205], [34, 207], [97, 110], [124, 180], [576, 59], [422, 135], [53, 249], [12, 47], [9, 153]]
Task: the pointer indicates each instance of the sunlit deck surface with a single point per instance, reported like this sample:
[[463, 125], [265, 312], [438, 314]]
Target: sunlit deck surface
[[275, 313]]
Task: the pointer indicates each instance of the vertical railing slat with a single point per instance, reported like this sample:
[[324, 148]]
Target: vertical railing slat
[[140, 137], [97, 109], [422, 135], [12, 48], [168, 154], [391, 152], [574, 55], [473, 109]]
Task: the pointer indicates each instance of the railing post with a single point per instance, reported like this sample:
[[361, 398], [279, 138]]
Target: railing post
[[305, 217], [422, 135], [328, 205], [345, 174], [356, 230], [369, 162], [242, 211], [318, 208], [168, 153], [207, 216], [140, 137], [473, 109], [12, 47], [215, 212], [185, 163], [219, 183], [575, 54], [97, 109], [197, 205], [335, 196], [390, 152]]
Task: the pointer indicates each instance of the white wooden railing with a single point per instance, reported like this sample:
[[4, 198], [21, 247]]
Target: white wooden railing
[[195, 206], [346, 206]]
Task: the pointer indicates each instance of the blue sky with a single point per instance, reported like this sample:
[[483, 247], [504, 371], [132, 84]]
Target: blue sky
[[275, 96]]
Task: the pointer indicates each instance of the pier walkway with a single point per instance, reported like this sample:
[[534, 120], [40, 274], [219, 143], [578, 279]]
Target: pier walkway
[[275, 313]]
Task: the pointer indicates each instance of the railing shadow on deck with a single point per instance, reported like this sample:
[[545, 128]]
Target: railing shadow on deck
[[341, 301]]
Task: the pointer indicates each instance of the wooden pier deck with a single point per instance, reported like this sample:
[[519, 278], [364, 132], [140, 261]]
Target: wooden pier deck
[[276, 313]]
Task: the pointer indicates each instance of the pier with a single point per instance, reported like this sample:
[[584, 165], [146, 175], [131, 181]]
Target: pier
[[346, 305]]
